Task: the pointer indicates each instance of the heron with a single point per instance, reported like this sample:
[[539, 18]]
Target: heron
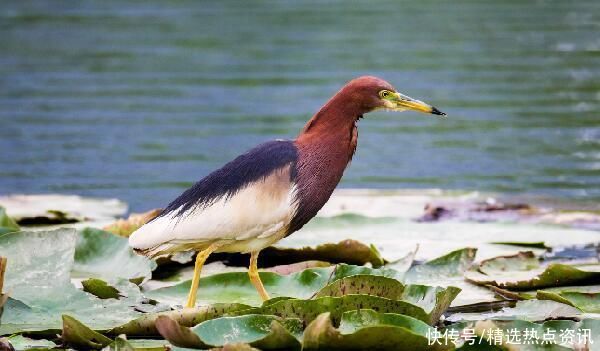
[[272, 190]]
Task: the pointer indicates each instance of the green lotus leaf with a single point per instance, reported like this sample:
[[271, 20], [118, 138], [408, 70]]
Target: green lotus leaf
[[104, 255], [78, 335], [7, 224], [20, 342], [265, 332], [100, 289], [121, 343], [452, 264], [364, 284], [236, 287], [522, 272], [530, 310], [434, 300], [38, 301], [584, 301], [522, 261], [368, 330], [187, 317], [308, 310]]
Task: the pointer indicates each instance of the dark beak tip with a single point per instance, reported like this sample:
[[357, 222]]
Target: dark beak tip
[[435, 111]]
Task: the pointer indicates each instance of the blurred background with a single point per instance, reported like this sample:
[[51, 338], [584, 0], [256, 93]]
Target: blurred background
[[138, 100]]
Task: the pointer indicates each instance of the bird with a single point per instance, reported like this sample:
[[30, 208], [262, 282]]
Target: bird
[[272, 190]]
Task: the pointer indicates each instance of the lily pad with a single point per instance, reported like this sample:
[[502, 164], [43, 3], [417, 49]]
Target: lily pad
[[20, 342], [368, 330], [7, 224], [78, 335], [41, 289], [584, 301], [530, 310], [100, 289], [347, 251], [308, 310], [364, 284], [434, 300], [236, 287], [104, 255], [522, 273], [187, 317], [262, 331], [449, 265]]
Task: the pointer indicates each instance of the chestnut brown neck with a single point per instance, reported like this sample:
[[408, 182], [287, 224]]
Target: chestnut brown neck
[[325, 147]]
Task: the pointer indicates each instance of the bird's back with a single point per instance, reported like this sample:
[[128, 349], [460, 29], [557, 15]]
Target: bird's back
[[249, 197]]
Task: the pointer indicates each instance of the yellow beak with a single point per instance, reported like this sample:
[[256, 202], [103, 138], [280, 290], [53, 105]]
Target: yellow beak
[[404, 102]]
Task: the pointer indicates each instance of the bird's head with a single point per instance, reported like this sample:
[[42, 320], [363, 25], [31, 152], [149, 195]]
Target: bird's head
[[370, 93]]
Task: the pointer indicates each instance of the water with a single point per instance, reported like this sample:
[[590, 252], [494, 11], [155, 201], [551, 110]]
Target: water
[[137, 100]]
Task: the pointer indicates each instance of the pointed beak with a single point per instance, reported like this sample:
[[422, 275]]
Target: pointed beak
[[404, 102]]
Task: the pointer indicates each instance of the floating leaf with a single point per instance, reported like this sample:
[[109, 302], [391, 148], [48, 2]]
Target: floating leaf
[[261, 331], [297, 267], [364, 284], [236, 287], [531, 310], [449, 265], [100, 289], [104, 255], [20, 342], [77, 334], [555, 274], [41, 288], [308, 310], [7, 224], [584, 301], [187, 317], [368, 330], [523, 261], [347, 251]]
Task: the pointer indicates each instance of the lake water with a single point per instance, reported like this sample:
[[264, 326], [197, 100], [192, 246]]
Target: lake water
[[137, 100]]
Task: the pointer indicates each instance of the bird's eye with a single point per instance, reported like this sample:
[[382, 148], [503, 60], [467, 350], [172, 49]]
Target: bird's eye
[[384, 94]]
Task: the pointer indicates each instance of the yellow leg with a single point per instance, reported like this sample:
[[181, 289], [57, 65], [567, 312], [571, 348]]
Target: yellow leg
[[200, 259], [255, 278]]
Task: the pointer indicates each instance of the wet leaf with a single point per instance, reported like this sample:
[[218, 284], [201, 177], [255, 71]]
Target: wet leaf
[[41, 288], [584, 301], [297, 267], [236, 287], [261, 331], [104, 255], [7, 224], [347, 252], [368, 330], [100, 289], [450, 265], [523, 261], [364, 284], [20, 342], [530, 310], [78, 335], [187, 317], [522, 272], [308, 310]]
